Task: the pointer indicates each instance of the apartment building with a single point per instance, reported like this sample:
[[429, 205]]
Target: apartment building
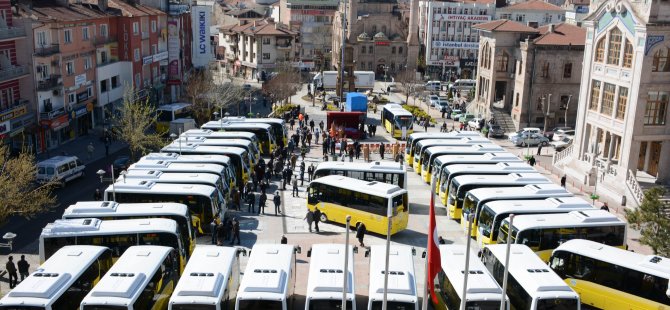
[[533, 13], [451, 43]]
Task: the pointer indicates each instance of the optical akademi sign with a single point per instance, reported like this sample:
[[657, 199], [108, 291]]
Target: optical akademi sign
[[453, 44], [463, 17], [201, 16]]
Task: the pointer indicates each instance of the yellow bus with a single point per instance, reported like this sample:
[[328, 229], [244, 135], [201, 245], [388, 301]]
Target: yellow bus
[[610, 278], [366, 202], [418, 136], [254, 154], [429, 155], [278, 130], [397, 121], [167, 113], [545, 232], [238, 156], [262, 131], [424, 144]]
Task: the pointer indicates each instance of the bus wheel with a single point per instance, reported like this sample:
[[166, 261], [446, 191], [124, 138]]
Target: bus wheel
[[323, 218]]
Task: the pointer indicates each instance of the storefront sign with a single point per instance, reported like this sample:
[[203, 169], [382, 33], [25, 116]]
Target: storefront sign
[[81, 97], [468, 63], [14, 113], [383, 43], [463, 17], [147, 60], [452, 44], [80, 112], [80, 79], [160, 56], [56, 123], [5, 127]]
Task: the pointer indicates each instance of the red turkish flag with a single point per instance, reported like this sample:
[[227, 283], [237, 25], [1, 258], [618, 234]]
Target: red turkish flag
[[434, 260]]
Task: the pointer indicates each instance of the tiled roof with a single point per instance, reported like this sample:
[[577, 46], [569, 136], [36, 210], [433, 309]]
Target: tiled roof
[[563, 34], [532, 5], [259, 27], [47, 10], [132, 10], [504, 25]]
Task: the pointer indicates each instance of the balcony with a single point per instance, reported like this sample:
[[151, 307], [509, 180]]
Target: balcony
[[12, 33], [47, 50], [50, 83], [283, 45], [14, 72], [103, 40]]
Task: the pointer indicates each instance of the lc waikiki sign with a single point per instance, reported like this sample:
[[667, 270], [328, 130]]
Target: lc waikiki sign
[[201, 17]]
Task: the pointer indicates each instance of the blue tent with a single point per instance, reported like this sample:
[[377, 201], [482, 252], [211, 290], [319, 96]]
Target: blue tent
[[356, 102]]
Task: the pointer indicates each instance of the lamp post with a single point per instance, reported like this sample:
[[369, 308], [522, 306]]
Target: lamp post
[[389, 216], [174, 136], [346, 265], [101, 174], [506, 272], [567, 106], [471, 217]]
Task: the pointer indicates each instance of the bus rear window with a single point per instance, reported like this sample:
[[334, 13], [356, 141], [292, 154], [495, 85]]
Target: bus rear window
[[260, 304], [393, 305], [557, 304], [483, 305], [327, 304], [193, 307]]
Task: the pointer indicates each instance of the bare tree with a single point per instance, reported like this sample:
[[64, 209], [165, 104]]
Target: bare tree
[[18, 192], [225, 95], [135, 125], [198, 87], [285, 83], [407, 81]]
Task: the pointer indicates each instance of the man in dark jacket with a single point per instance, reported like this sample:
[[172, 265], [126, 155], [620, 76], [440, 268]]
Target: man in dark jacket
[[277, 200], [236, 231], [360, 233], [23, 267], [11, 272], [317, 218]]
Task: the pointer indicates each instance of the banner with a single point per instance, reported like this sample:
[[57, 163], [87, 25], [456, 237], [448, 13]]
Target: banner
[[173, 48], [201, 16]]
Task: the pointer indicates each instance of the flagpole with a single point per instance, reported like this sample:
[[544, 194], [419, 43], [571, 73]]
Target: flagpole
[[426, 291]]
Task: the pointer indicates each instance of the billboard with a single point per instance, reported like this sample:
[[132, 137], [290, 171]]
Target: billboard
[[173, 48], [201, 17]]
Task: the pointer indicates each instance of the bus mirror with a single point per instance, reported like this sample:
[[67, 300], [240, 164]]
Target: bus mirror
[[242, 251], [298, 249], [423, 255], [413, 251], [367, 253], [309, 252], [355, 250]]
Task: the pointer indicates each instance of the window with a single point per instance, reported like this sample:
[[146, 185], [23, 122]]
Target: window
[[136, 28], [266, 55], [545, 70], [600, 50], [103, 86], [84, 33], [67, 36], [103, 30], [623, 101], [564, 103], [501, 62], [115, 82], [266, 40], [485, 56], [370, 50], [657, 106], [608, 99], [628, 55], [595, 95], [137, 54], [520, 71], [614, 47], [660, 61], [153, 26], [154, 49], [567, 71], [103, 57], [362, 49], [41, 38], [69, 67], [87, 63], [71, 98]]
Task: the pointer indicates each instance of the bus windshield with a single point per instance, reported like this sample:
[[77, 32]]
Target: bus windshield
[[393, 305], [557, 304], [330, 304], [485, 220], [484, 305], [259, 304], [469, 204], [403, 121], [502, 235]]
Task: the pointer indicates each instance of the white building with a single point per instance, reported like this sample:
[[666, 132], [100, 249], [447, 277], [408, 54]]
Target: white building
[[445, 29], [533, 13]]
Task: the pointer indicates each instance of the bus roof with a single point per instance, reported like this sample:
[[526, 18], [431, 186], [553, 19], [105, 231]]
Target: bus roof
[[253, 119], [206, 275], [492, 167], [384, 166], [594, 217], [218, 134], [171, 177], [173, 106], [54, 276], [518, 178], [650, 264], [144, 186], [456, 141], [444, 135], [372, 188], [401, 279], [529, 270], [465, 149], [188, 158], [267, 273], [105, 208], [207, 141], [477, 158], [95, 227], [128, 277], [326, 274], [480, 282], [232, 125], [195, 147], [528, 191], [550, 204], [175, 166]]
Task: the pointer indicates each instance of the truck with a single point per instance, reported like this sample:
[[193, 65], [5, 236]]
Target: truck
[[356, 102], [348, 122], [328, 80]]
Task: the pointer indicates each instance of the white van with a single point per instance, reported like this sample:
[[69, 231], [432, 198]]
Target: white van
[[433, 85], [61, 169], [460, 85]]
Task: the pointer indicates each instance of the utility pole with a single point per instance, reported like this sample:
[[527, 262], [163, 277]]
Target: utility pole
[[567, 105], [546, 114], [340, 86]]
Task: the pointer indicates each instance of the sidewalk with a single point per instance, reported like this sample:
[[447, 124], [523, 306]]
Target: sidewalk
[[79, 147]]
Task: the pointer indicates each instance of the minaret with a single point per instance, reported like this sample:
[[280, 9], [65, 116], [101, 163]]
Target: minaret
[[412, 37]]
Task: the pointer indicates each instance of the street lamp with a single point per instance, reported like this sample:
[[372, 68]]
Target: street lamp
[[389, 216], [346, 264], [174, 136], [101, 174]]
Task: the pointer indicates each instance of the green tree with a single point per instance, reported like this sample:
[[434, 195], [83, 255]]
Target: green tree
[[653, 221], [18, 190], [136, 124]]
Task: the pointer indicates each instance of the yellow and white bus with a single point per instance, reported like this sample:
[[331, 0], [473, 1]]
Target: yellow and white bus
[[203, 201], [397, 120], [143, 278], [461, 185], [476, 198], [278, 130], [228, 173], [530, 284], [210, 281], [611, 278], [167, 113], [254, 155], [451, 171], [211, 134], [262, 131], [442, 161], [325, 281], [381, 171], [158, 176], [483, 291], [238, 156], [117, 235], [424, 144], [62, 281], [109, 210], [269, 278], [366, 202], [545, 232], [429, 155], [418, 136], [402, 293], [493, 213]]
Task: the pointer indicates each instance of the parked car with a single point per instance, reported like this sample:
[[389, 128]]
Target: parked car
[[475, 123], [120, 163], [524, 131], [495, 131], [561, 145], [434, 100], [456, 114], [465, 118], [60, 169], [525, 139], [550, 133], [332, 97], [444, 106], [558, 135]]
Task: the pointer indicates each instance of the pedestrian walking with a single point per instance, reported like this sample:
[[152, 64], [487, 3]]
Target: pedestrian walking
[[382, 149], [294, 159], [236, 199], [311, 125], [277, 201], [321, 125], [261, 203], [264, 186], [563, 179], [236, 231], [324, 148], [360, 233], [309, 217], [212, 229], [539, 149], [90, 149], [366, 153], [295, 187], [531, 161], [302, 173], [309, 139], [23, 267], [426, 123], [332, 146], [396, 148], [11, 272], [283, 240], [97, 196], [251, 201], [317, 218], [605, 207], [343, 146], [310, 171], [351, 154], [357, 149]]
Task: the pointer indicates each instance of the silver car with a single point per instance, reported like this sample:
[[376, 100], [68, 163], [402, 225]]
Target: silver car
[[524, 139]]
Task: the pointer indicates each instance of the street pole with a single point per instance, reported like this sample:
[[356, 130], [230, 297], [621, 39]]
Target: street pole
[[567, 106], [546, 113], [344, 37], [346, 266], [506, 274], [471, 217], [389, 216], [111, 168]]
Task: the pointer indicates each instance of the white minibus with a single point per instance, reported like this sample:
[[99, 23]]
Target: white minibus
[[325, 281]]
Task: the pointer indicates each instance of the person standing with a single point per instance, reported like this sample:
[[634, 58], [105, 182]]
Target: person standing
[[251, 201], [563, 179], [97, 196], [108, 142], [317, 218], [11, 272], [295, 187], [23, 267], [351, 154], [539, 149], [332, 146], [426, 123], [302, 173], [396, 148], [310, 171], [343, 146], [382, 149], [90, 149], [360, 233], [324, 147], [277, 201], [212, 228], [261, 203], [283, 240], [236, 231], [311, 125], [357, 149], [294, 159], [309, 217], [605, 207], [220, 234]]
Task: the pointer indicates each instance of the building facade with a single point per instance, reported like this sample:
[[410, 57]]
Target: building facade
[[623, 126], [450, 41], [533, 13]]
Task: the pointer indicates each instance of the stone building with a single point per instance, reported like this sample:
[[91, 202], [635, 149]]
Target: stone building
[[533, 13], [622, 122]]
